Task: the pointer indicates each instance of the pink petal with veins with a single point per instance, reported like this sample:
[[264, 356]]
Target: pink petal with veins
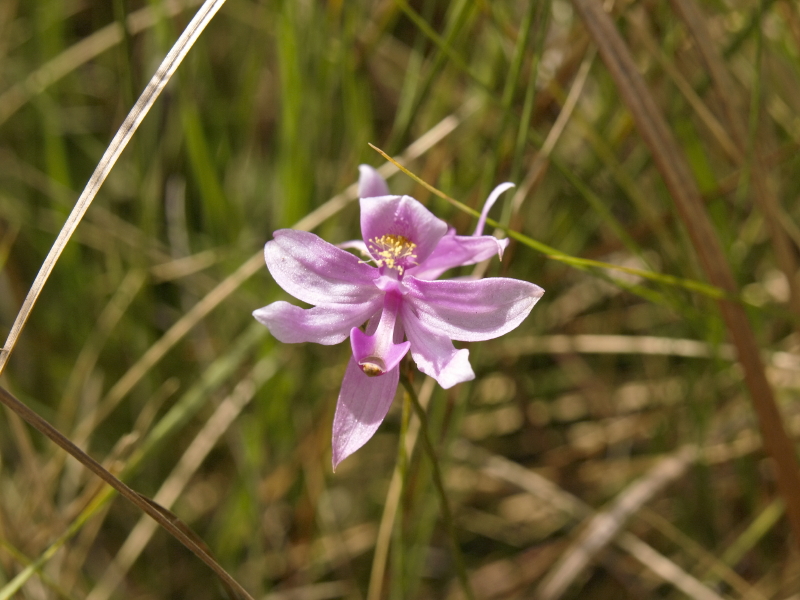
[[471, 311], [324, 324], [457, 251], [435, 354], [314, 271], [362, 406]]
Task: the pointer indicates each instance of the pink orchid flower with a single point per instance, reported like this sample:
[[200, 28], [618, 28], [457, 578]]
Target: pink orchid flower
[[397, 298]]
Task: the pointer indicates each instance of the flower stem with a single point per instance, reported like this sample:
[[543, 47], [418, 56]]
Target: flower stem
[[447, 516], [399, 540]]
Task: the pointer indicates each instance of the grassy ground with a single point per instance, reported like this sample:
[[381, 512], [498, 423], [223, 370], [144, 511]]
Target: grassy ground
[[609, 447]]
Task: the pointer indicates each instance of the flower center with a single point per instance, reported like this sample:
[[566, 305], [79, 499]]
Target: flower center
[[393, 252]]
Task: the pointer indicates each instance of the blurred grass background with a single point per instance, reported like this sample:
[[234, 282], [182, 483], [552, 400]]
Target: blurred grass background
[[609, 383]]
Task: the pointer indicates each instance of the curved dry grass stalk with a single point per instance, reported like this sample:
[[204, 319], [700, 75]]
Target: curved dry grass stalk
[[161, 516], [129, 126], [205, 440], [678, 177]]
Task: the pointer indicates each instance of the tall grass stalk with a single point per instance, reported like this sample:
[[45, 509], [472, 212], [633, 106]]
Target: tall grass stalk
[[163, 74]]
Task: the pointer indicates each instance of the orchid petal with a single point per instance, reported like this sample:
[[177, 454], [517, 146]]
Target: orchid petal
[[362, 406], [401, 216], [325, 324], [370, 183], [435, 354], [496, 192], [456, 251], [471, 311], [314, 271]]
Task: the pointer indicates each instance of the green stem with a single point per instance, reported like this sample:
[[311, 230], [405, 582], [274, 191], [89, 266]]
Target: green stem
[[402, 464], [447, 516]]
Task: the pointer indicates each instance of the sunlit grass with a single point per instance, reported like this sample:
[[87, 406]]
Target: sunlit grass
[[141, 348]]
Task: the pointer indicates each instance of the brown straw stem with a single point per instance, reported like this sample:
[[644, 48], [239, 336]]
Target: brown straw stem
[[678, 177]]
